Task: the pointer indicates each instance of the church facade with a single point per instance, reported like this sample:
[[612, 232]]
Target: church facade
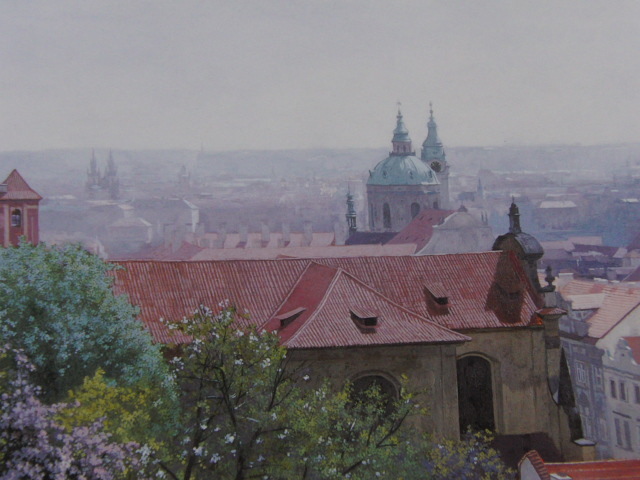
[[402, 185]]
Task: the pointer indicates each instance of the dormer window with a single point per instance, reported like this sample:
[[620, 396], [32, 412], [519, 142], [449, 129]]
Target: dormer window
[[16, 218], [365, 320], [288, 317]]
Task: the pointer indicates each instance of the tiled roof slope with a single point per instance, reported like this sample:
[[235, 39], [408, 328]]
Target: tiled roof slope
[[484, 290], [18, 188], [602, 470], [477, 286], [618, 301], [331, 298]]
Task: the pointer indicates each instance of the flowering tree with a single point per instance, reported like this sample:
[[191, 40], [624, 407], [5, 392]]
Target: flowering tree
[[249, 413], [33, 445], [56, 303]]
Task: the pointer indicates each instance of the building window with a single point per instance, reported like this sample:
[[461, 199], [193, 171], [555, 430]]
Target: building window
[[597, 375], [386, 216], [627, 435], [618, 432], [623, 392], [612, 384], [636, 389], [16, 218], [581, 374]]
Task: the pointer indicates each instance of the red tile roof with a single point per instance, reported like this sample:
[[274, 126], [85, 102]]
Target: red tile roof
[[330, 298], [420, 229], [18, 188], [634, 344], [619, 300], [602, 470], [485, 290]]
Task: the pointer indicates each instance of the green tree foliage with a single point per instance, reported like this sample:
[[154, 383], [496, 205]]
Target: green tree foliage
[[56, 304], [144, 414], [249, 413]]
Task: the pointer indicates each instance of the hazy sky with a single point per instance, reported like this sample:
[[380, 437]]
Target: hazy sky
[[269, 74]]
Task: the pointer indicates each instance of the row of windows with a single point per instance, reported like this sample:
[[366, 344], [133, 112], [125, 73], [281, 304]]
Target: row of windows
[[623, 433], [619, 390]]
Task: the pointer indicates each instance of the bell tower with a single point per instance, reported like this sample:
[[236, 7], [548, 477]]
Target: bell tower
[[18, 211], [433, 155]]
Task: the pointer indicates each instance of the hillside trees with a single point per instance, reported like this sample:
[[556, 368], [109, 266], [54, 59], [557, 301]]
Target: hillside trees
[[56, 303]]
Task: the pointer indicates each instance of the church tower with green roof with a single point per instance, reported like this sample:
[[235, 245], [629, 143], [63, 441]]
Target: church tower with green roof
[[433, 155], [401, 185]]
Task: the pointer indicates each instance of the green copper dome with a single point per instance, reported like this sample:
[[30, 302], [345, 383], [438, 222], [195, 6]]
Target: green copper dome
[[402, 170]]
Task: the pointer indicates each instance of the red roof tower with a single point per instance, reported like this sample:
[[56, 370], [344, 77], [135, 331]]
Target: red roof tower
[[18, 211]]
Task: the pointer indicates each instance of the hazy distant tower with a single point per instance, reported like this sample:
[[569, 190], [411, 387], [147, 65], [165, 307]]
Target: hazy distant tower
[[401, 185], [433, 155], [351, 214]]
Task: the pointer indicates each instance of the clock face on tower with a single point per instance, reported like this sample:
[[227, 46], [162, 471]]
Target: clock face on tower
[[436, 166]]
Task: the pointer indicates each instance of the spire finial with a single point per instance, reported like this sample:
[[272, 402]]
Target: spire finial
[[430, 111]]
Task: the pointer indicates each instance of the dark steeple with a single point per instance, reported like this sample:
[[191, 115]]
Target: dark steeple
[[514, 218], [351, 214]]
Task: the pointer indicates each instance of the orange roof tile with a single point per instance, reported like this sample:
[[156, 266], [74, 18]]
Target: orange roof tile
[[601, 470], [618, 301], [18, 188], [485, 290]]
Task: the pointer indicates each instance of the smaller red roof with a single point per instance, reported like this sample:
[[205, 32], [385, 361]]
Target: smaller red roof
[[17, 188], [602, 470], [420, 229], [634, 344], [598, 470]]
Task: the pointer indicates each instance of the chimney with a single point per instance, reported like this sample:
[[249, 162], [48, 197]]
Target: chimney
[[286, 234], [222, 235], [307, 236], [243, 236], [266, 235]]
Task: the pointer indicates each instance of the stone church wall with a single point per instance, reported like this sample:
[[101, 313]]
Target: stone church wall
[[428, 368]]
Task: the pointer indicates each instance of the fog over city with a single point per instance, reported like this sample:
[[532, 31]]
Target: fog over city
[[307, 74]]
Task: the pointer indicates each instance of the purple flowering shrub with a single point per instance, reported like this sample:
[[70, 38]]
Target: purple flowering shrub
[[34, 445]]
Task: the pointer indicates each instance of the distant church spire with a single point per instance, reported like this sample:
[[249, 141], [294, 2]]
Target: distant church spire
[[351, 214], [432, 146], [514, 218], [401, 140]]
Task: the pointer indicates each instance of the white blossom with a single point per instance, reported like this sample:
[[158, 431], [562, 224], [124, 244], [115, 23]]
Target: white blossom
[[229, 438]]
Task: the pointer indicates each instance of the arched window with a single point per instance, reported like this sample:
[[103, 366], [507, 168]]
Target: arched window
[[371, 216], [16, 218], [415, 210], [475, 394], [386, 216], [374, 388], [435, 205]]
